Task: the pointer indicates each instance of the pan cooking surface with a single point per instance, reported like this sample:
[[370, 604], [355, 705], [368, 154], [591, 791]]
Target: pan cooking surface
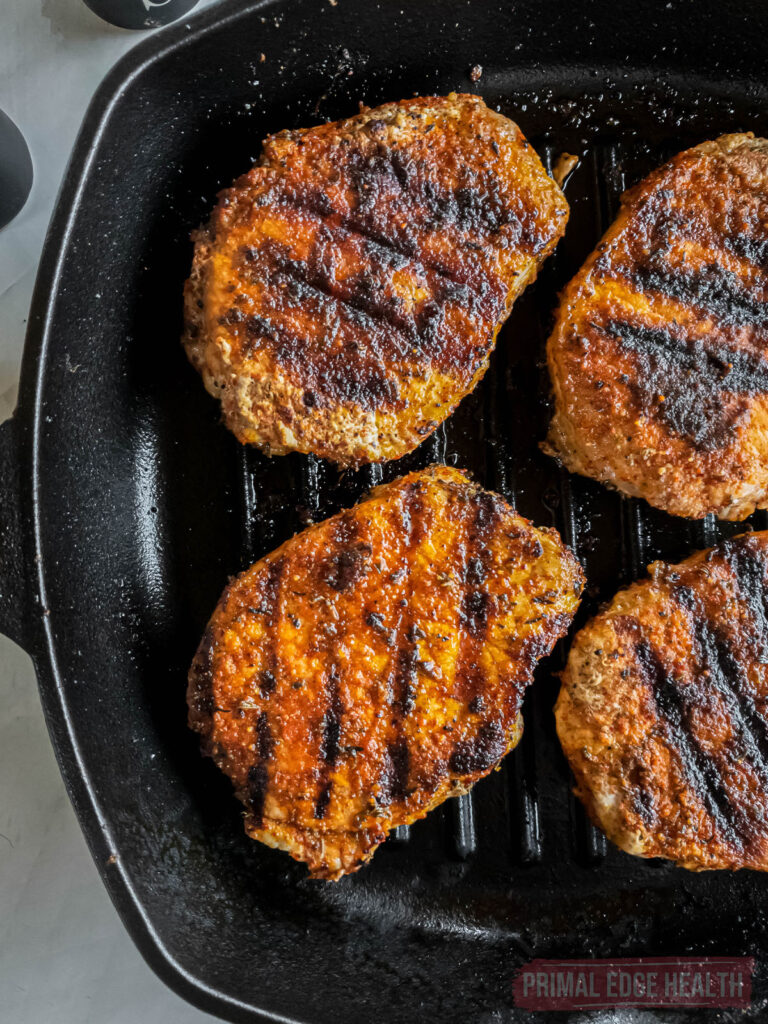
[[146, 505]]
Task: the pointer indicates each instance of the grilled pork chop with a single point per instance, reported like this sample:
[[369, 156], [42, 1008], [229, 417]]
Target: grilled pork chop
[[663, 713], [375, 664], [348, 290], [658, 355]]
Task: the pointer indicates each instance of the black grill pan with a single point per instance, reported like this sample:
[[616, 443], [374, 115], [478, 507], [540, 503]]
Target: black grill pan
[[124, 505]]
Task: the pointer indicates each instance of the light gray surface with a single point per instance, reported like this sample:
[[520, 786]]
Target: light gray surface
[[64, 956]]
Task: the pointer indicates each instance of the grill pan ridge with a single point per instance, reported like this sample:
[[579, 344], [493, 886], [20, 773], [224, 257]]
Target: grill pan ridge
[[125, 506]]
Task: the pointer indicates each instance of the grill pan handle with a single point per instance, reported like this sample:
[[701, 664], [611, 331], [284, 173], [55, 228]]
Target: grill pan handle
[[16, 602]]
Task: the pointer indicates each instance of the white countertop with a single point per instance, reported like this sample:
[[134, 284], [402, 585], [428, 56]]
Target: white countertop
[[64, 956]]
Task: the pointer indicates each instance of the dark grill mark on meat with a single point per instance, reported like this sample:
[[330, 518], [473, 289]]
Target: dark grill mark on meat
[[258, 773], [402, 248], [271, 601], [350, 561], [267, 682], [407, 655], [404, 675], [323, 800], [345, 569], [393, 781], [348, 566], [333, 375], [257, 328], [406, 678], [313, 281], [258, 776], [366, 302], [701, 384], [477, 207], [474, 612], [711, 288], [329, 742], [748, 568], [755, 250], [698, 770], [368, 297], [481, 752], [727, 676], [643, 802], [329, 747], [476, 602]]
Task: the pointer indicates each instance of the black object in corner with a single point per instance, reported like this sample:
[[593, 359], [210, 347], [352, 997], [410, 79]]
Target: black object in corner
[[140, 14], [16, 172]]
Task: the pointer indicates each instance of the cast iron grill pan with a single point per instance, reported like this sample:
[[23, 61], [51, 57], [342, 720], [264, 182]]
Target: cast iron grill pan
[[128, 505]]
